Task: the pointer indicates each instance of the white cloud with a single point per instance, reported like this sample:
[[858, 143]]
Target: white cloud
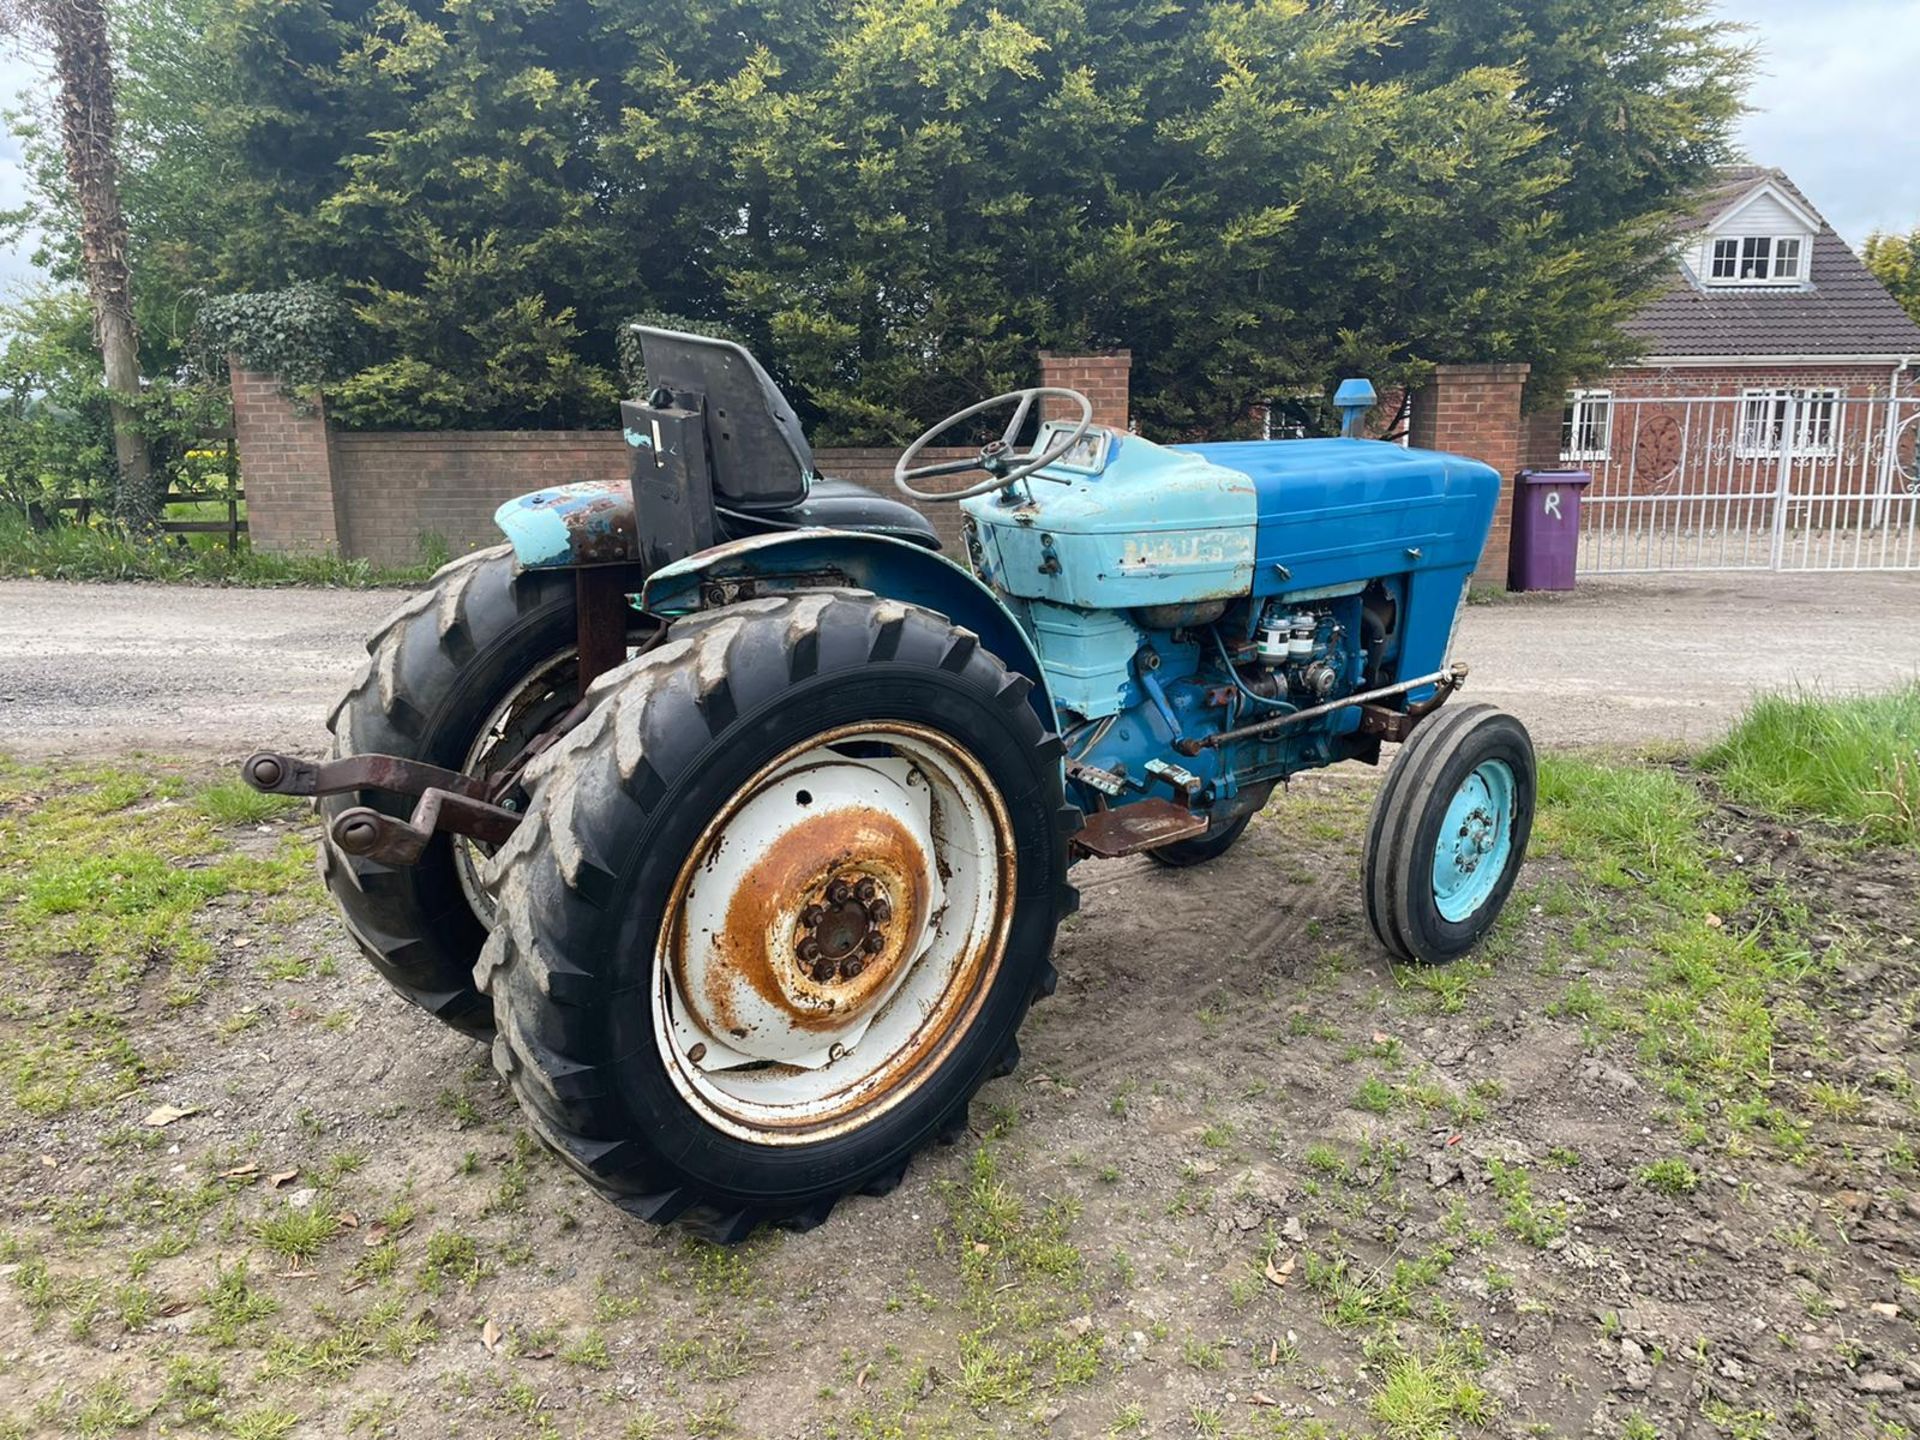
[[1837, 105], [18, 72]]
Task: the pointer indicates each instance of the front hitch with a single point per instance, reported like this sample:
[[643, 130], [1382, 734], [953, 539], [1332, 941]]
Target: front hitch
[[376, 836], [274, 774], [449, 801]]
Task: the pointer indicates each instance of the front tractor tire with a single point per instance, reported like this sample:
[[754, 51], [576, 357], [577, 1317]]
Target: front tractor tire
[[463, 673], [1449, 832], [777, 909]]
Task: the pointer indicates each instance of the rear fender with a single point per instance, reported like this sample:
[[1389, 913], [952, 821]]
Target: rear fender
[[811, 559], [590, 522]]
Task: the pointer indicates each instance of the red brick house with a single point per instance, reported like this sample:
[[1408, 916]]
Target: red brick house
[[1772, 418]]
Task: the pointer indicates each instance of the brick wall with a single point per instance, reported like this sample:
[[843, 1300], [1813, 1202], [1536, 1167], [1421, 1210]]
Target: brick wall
[[1104, 378], [379, 495], [873, 468], [396, 487], [1475, 410], [1857, 380], [286, 451]]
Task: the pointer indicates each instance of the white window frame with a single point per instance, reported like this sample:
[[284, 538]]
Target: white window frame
[[1577, 423], [1762, 425], [1756, 259]]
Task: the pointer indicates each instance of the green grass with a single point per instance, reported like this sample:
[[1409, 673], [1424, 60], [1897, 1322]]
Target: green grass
[[234, 802], [1428, 1399], [1709, 971], [101, 552], [1672, 1176], [105, 878], [1853, 761], [296, 1234]]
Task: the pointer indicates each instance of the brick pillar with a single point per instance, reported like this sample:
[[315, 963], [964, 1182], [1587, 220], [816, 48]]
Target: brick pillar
[[286, 466], [1475, 410], [1540, 440], [1102, 377]]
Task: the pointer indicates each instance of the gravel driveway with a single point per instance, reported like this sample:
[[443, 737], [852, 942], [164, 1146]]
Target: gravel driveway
[[91, 668]]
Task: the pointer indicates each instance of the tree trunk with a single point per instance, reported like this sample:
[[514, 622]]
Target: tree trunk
[[84, 57]]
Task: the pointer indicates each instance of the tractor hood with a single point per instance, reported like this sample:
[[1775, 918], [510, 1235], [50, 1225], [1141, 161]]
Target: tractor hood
[[1130, 523]]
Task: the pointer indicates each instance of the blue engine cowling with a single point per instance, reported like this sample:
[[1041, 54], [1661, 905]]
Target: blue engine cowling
[[1177, 591]]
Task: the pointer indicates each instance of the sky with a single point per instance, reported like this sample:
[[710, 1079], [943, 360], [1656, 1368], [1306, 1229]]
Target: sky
[[1836, 105]]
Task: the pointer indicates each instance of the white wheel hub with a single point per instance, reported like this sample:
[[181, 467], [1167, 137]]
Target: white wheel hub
[[839, 916]]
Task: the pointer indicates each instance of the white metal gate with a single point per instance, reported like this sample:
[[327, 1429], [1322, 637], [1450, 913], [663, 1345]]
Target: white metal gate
[[1802, 479]]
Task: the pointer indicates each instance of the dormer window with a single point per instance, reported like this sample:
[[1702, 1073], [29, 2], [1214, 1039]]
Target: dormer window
[[1756, 260]]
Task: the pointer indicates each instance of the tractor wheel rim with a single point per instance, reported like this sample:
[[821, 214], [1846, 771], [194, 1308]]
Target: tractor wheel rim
[[1475, 841], [833, 933], [548, 692]]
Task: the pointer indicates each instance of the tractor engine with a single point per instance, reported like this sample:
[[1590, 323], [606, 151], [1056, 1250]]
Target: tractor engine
[[1217, 602]]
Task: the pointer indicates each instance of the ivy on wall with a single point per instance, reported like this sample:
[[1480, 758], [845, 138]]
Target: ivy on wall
[[305, 334]]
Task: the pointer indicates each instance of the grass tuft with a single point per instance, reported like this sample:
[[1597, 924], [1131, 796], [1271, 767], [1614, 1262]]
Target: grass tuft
[[1426, 1399], [1852, 760], [234, 802], [1671, 1176]]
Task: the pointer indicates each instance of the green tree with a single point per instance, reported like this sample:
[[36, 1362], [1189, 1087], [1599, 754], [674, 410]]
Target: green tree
[[82, 46], [1895, 262], [896, 202], [56, 438]]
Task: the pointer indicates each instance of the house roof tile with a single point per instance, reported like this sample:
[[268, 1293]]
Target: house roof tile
[[1844, 311]]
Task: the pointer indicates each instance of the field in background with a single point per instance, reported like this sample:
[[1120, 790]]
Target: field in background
[[1643, 1168]]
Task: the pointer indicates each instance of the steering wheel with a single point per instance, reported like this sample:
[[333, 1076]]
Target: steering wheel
[[993, 456]]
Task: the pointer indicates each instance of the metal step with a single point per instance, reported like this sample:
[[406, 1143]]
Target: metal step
[[1143, 825]]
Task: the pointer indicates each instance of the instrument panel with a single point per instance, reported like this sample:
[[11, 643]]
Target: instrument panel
[[1086, 456]]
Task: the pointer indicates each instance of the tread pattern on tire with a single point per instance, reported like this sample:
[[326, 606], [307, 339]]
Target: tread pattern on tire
[[415, 657], [1397, 812], [549, 880]]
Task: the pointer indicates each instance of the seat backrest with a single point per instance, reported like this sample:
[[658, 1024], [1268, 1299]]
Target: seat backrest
[[760, 457]]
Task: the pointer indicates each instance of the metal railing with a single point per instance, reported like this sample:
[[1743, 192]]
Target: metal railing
[[1778, 480]]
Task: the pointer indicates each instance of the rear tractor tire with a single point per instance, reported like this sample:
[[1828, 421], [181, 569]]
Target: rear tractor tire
[[777, 909], [1449, 832], [460, 676]]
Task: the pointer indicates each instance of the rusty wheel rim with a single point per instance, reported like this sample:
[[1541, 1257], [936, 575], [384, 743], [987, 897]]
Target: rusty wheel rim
[[548, 692], [833, 933]]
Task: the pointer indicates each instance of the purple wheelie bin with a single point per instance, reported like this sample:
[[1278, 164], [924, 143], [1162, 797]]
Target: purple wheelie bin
[[1546, 529]]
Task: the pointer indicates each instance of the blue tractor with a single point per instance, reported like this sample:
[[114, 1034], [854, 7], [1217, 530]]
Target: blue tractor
[[740, 820]]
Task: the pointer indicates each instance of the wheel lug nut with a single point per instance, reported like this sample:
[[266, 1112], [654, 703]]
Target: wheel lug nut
[[809, 949], [875, 942], [812, 916], [837, 893], [866, 889], [879, 912], [851, 967]]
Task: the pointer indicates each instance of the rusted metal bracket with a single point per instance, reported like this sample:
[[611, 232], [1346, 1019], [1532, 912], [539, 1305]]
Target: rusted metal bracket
[[602, 613], [276, 774], [1142, 825], [1397, 725], [392, 841]]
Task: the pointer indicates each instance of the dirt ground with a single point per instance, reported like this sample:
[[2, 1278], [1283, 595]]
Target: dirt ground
[[96, 668], [1644, 1168]]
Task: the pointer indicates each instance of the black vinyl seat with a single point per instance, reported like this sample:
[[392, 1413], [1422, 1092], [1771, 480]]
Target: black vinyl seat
[[836, 505], [761, 466]]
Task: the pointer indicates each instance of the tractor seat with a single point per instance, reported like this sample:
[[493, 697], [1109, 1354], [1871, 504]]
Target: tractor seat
[[836, 505], [762, 467]]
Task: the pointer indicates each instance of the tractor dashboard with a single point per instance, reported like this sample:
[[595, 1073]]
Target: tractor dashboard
[[1087, 456]]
